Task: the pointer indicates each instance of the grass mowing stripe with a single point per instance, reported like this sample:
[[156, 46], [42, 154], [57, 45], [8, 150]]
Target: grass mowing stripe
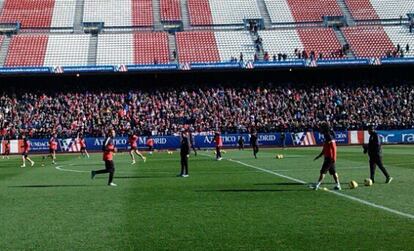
[[407, 215]]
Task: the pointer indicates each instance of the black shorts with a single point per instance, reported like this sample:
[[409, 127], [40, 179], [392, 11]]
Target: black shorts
[[83, 148], [328, 165], [51, 151], [25, 154], [134, 148], [109, 165]]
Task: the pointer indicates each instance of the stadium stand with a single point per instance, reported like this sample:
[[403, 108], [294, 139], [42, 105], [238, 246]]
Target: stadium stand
[[281, 41], [48, 50], [312, 11], [389, 9], [380, 9], [170, 10], [197, 46], [209, 46], [119, 13], [232, 43], [399, 35], [200, 12], [39, 13], [369, 41], [279, 11], [214, 12], [286, 41], [361, 9], [162, 111], [136, 48], [320, 40], [67, 50], [27, 50]]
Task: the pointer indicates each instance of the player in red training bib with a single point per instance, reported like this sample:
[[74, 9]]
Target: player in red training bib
[[108, 149], [132, 141], [25, 153], [6, 152], [329, 152], [81, 141], [218, 140], [150, 144], [53, 145]]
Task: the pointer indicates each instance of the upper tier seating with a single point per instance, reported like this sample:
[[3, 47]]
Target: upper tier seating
[[310, 11], [200, 12], [368, 41], [217, 12], [116, 13], [279, 11], [320, 40], [44, 50], [400, 35], [137, 48], [198, 46], [39, 13], [380, 9], [170, 10]]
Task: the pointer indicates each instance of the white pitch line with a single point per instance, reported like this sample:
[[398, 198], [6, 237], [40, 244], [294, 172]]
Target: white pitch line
[[70, 170], [390, 210]]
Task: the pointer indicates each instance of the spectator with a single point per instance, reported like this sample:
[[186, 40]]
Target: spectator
[[164, 111]]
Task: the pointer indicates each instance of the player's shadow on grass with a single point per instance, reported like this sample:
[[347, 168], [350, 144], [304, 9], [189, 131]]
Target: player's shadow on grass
[[46, 186]]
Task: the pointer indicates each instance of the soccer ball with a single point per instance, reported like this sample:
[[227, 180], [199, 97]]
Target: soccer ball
[[353, 184], [368, 182]]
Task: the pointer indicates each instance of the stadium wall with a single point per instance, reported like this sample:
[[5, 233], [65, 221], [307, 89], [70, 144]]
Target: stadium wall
[[229, 140]]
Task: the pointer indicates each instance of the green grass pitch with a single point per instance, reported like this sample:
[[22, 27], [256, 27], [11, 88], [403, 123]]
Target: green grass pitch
[[223, 205]]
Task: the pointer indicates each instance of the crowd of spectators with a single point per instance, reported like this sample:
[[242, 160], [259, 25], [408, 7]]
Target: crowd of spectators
[[229, 109]]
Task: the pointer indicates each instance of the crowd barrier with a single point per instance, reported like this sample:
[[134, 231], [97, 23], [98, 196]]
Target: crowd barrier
[[229, 140]]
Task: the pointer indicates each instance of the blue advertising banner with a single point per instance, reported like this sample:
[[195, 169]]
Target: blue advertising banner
[[276, 64], [14, 70], [76, 69], [397, 60], [341, 137], [340, 62], [215, 65], [151, 67], [397, 136], [229, 140]]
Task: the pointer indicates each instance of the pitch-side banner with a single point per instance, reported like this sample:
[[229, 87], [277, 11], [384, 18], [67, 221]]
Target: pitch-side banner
[[229, 140]]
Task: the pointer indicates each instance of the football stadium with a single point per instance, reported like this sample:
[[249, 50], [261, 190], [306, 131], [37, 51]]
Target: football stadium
[[206, 125]]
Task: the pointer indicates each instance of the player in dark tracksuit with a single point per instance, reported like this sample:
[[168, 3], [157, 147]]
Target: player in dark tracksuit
[[184, 153], [108, 149], [375, 155], [192, 141], [240, 142], [254, 143]]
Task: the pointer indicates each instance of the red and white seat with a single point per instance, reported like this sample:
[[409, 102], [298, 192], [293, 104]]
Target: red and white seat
[[119, 13], [39, 13], [368, 41], [48, 50], [170, 10], [135, 48]]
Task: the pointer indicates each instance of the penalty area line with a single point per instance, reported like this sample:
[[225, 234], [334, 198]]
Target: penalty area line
[[390, 210]]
